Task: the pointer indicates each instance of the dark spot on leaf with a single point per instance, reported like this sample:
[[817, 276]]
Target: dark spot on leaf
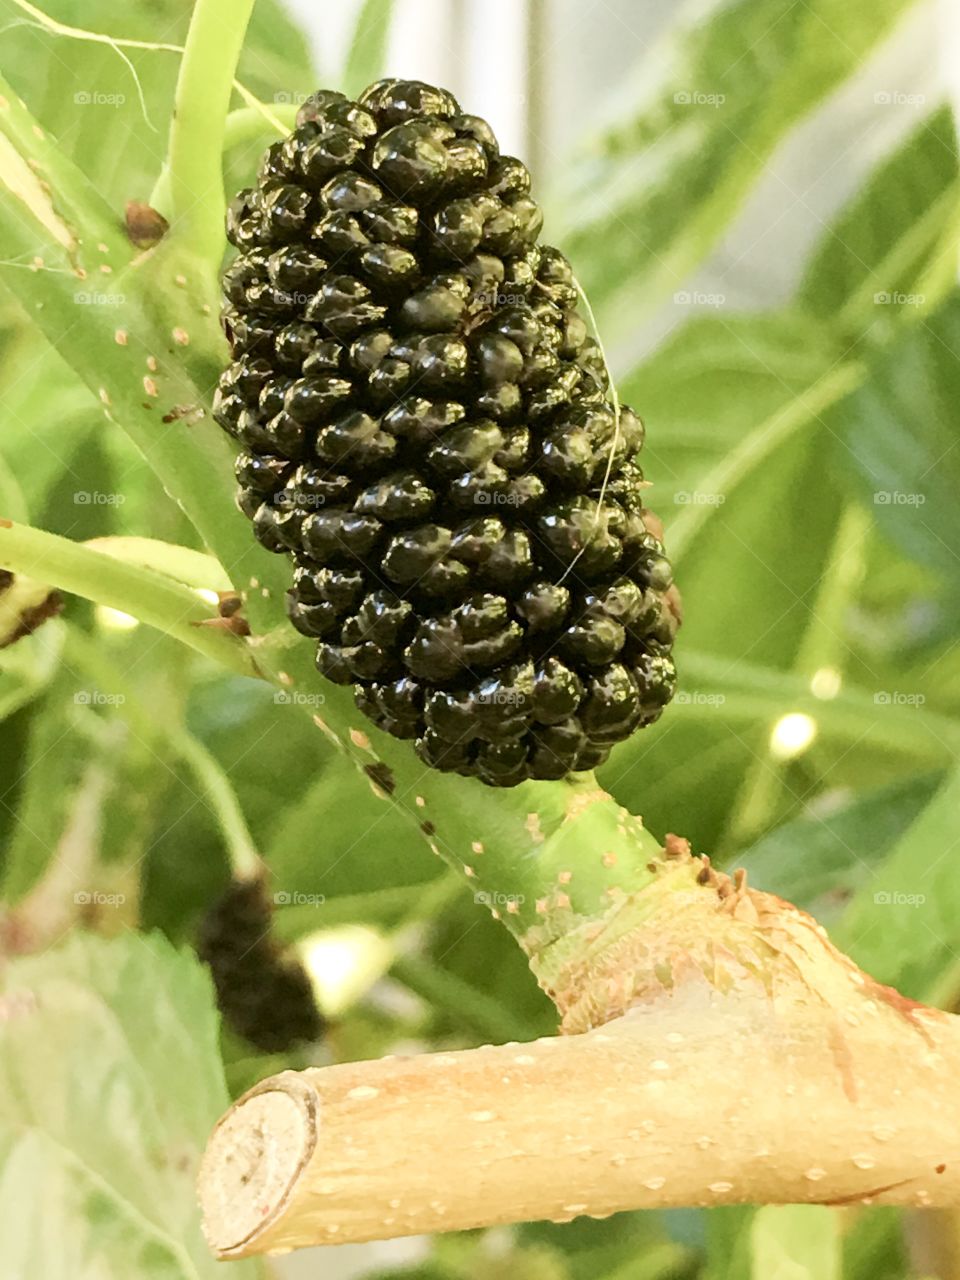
[[428, 828]]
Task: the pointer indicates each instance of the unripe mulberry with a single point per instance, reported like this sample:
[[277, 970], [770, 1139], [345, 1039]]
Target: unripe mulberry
[[427, 428]]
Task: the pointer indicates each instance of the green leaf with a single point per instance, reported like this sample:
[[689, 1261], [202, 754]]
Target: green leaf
[[819, 860], [897, 436], [796, 1242], [729, 1244], [666, 180], [110, 1081], [368, 50], [873, 253], [86, 93], [735, 410], [903, 926], [27, 667], [713, 382]]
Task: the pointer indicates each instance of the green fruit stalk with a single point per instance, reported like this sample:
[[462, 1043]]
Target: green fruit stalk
[[428, 428]]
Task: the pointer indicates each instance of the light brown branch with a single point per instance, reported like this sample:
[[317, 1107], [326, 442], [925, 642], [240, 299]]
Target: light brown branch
[[755, 1064]]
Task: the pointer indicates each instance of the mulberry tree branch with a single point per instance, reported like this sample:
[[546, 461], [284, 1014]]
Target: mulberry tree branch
[[752, 1063]]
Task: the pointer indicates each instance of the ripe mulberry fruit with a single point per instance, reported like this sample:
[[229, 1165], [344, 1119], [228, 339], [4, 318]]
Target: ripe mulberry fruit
[[427, 428]]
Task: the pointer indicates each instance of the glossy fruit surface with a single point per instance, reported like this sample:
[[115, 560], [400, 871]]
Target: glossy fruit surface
[[426, 428]]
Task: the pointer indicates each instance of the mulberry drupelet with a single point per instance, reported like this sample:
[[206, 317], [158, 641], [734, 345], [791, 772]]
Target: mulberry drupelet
[[427, 427]]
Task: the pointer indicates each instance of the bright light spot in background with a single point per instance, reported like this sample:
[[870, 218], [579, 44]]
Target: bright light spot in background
[[826, 683], [792, 735], [205, 593], [114, 619], [343, 963]]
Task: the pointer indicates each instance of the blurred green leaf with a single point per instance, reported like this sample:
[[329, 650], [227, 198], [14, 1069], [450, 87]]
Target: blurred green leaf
[[898, 437], [368, 50], [735, 409], [729, 1244], [709, 385], [819, 860], [658, 189], [56, 766], [903, 926], [874, 1247], [88, 96], [27, 667], [796, 1242], [97, 1134], [873, 253]]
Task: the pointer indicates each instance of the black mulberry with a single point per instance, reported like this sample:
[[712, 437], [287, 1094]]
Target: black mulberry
[[263, 993], [427, 428]]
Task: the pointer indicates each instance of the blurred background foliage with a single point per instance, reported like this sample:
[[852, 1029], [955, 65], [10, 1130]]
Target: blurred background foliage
[[804, 456]]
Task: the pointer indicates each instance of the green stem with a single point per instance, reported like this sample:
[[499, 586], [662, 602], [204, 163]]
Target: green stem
[[245, 860], [150, 596], [155, 727], [821, 646], [247, 124], [190, 194], [747, 694]]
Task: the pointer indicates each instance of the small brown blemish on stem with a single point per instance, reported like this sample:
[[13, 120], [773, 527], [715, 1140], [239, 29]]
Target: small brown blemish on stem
[[381, 775], [144, 225]]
